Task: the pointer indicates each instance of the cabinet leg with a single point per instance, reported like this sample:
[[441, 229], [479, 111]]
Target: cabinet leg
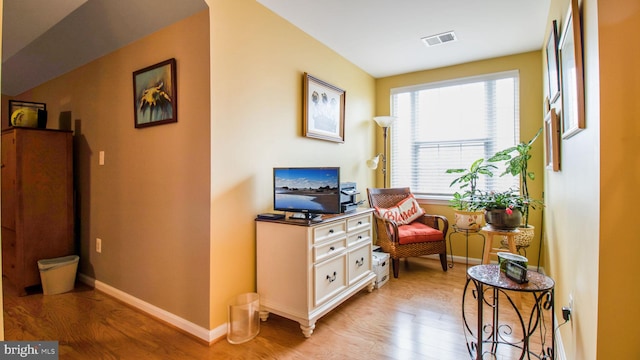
[[264, 315], [371, 286], [307, 330]]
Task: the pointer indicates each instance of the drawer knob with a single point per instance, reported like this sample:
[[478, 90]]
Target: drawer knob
[[359, 237], [330, 231], [360, 222], [332, 278], [360, 262], [332, 248]]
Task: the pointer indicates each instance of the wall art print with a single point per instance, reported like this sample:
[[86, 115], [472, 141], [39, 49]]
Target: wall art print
[[570, 49], [155, 98], [27, 114], [323, 110]]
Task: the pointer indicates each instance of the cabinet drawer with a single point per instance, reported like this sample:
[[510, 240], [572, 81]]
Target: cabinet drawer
[[359, 237], [329, 249], [330, 279], [330, 231], [359, 262], [359, 222]]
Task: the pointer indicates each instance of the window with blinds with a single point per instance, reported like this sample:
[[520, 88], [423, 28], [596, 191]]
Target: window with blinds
[[450, 124]]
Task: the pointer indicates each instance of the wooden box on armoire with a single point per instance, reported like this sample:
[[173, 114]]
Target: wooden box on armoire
[[37, 201]]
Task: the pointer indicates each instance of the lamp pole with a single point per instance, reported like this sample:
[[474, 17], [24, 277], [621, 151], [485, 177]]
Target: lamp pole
[[384, 122], [384, 157]]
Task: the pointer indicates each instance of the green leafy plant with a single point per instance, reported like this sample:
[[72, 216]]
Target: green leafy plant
[[470, 176], [469, 180], [509, 200], [516, 160]]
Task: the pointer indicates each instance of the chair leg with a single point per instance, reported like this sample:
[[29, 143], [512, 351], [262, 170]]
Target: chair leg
[[395, 264], [443, 261]]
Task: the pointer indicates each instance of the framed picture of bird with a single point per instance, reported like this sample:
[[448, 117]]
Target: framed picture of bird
[[155, 98]]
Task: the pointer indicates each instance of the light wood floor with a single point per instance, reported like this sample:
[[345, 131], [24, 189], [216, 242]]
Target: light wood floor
[[417, 316]]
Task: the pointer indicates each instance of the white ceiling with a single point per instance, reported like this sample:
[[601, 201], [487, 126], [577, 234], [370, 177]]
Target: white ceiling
[[43, 39], [383, 36]]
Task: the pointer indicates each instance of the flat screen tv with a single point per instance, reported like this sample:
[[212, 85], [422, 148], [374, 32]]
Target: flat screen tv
[[307, 190]]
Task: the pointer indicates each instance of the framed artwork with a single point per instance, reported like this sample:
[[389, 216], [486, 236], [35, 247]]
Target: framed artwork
[[323, 110], [553, 78], [552, 140], [155, 98], [570, 52], [28, 114]]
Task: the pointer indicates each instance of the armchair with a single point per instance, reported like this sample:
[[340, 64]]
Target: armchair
[[403, 229]]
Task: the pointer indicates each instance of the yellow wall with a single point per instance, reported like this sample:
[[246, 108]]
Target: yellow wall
[[531, 120], [149, 202], [1, 308], [572, 217], [257, 63], [175, 203], [618, 296]]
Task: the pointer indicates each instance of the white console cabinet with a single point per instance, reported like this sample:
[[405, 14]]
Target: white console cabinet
[[306, 269]]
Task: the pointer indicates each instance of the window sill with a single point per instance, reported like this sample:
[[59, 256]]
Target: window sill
[[433, 199]]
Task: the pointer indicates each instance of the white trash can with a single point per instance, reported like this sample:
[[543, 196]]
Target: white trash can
[[244, 318], [58, 275]]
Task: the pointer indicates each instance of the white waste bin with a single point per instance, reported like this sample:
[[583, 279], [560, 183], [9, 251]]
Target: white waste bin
[[58, 275], [244, 318]]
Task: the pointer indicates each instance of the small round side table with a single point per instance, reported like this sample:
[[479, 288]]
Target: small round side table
[[518, 328]]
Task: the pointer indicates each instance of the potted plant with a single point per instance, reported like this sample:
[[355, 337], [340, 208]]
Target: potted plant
[[503, 210], [516, 159], [468, 212]]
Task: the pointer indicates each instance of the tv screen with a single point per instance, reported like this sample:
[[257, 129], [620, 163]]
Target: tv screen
[[311, 190]]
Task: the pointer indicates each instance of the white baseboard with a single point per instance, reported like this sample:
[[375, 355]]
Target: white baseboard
[[473, 261], [560, 354], [196, 330], [221, 331]]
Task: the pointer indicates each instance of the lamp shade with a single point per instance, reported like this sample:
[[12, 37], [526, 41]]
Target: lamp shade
[[373, 162], [384, 121]]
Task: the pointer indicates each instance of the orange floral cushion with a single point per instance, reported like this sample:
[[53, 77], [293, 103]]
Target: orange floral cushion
[[404, 213], [418, 232]]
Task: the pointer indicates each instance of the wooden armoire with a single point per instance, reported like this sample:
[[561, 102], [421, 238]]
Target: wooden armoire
[[37, 201]]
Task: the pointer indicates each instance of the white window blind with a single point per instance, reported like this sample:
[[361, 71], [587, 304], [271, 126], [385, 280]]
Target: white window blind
[[449, 125]]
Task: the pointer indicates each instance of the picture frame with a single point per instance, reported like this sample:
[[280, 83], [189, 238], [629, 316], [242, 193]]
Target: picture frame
[[27, 114], [324, 106], [552, 140], [155, 96], [553, 76], [571, 71]]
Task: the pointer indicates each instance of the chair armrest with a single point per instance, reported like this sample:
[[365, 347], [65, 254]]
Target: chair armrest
[[390, 227], [437, 222]]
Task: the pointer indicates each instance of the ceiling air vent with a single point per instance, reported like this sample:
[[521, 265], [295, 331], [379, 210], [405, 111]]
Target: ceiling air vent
[[438, 39]]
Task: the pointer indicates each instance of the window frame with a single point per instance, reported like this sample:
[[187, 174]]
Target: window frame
[[438, 198]]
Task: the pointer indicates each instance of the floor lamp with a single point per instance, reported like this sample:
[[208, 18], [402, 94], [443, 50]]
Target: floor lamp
[[384, 122]]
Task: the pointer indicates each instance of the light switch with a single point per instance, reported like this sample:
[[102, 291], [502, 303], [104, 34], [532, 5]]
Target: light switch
[[101, 158]]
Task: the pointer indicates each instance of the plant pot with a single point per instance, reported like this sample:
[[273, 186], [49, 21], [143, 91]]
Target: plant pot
[[499, 219], [469, 220], [525, 236]]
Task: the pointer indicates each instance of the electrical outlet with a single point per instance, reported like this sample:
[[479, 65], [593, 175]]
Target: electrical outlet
[[571, 301], [571, 308], [98, 245]]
